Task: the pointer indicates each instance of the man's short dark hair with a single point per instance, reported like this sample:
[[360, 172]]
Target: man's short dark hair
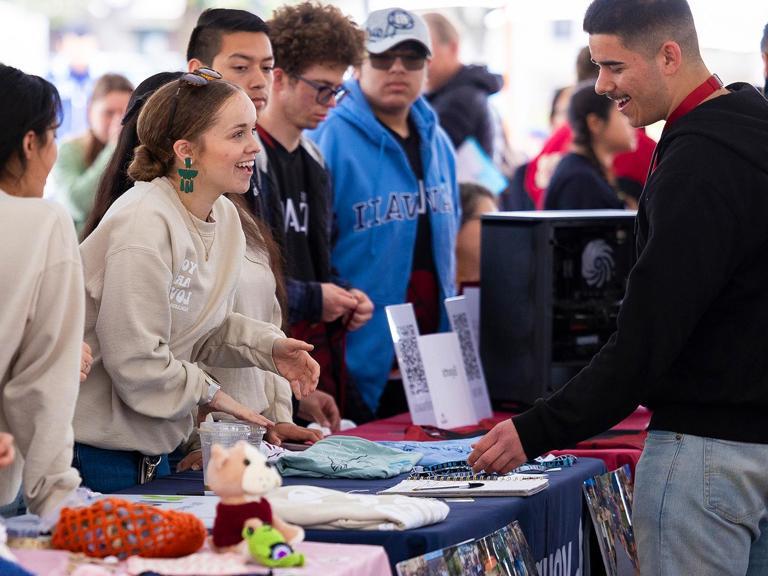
[[311, 33], [644, 25], [764, 41], [205, 41]]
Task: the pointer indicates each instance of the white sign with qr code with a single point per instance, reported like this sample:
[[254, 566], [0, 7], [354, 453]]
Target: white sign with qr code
[[451, 396], [472, 297], [461, 323], [405, 335]]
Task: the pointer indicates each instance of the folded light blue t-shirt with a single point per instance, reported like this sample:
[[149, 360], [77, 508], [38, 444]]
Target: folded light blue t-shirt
[[347, 457], [438, 452]]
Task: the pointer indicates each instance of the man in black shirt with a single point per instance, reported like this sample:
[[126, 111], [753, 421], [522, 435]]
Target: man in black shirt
[[236, 43], [314, 46], [764, 52], [690, 341]]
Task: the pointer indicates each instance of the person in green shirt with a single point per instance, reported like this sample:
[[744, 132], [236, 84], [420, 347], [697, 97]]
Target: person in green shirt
[[83, 159]]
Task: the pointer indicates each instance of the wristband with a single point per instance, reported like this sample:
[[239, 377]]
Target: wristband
[[213, 387]]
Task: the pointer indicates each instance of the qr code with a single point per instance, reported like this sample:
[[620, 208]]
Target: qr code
[[461, 326], [410, 362]]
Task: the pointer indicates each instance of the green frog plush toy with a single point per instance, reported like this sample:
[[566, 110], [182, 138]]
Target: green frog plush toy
[[268, 546]]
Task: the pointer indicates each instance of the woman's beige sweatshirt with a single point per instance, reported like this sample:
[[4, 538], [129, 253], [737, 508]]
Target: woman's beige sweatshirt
[[154, 308], [41, 325], [265, 392]]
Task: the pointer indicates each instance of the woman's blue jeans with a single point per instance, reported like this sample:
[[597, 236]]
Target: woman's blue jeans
[[108, 471]]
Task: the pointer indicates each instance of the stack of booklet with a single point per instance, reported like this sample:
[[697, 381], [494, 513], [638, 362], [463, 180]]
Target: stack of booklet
[[509, 485]]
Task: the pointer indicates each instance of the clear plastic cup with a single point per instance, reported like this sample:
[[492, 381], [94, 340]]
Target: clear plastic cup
[[226, 434], [256, 435]]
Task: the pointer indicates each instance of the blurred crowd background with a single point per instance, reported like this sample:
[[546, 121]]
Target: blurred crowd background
[[532, 43]]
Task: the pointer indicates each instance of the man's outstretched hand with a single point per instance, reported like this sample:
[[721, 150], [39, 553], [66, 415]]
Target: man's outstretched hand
[[498, 451]]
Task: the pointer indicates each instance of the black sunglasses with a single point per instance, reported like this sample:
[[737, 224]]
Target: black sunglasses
[[199, 77], [325, 93], [411, 60]]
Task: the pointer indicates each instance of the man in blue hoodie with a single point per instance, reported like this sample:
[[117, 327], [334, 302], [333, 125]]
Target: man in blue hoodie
[[395, 200]]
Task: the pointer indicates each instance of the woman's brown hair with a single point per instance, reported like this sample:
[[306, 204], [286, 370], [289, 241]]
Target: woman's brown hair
[[259, 237], [177, 111], [105, 85]]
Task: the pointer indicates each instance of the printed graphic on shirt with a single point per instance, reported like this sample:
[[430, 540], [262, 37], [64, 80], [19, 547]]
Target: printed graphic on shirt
[[297, 215], [181, 292], [379, 211]]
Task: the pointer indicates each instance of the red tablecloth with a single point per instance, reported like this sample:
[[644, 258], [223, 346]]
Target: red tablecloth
[[623, 444]]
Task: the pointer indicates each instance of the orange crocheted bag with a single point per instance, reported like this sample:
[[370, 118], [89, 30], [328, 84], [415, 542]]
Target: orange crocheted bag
[[114, 527]]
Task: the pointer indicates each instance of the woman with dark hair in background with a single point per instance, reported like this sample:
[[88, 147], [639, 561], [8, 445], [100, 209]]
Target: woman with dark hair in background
[[41, 289], [476, 200], [161, 270], [82, 160], [583, 179]]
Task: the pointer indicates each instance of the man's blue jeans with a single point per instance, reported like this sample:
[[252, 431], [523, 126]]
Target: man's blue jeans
[[700, 507]]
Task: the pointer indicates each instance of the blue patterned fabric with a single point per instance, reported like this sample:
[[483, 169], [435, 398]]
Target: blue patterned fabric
[[438, 452], [347, 457]]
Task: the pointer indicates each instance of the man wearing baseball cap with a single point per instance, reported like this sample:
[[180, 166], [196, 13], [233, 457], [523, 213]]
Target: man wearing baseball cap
[[395, 202]]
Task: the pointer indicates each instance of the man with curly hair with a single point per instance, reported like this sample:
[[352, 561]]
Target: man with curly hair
[[314, 45], [396, 202]]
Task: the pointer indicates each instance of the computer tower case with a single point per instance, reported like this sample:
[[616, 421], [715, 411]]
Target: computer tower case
[[552, 283]]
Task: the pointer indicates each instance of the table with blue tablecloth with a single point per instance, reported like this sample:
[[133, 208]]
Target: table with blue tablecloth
[[554, 521]]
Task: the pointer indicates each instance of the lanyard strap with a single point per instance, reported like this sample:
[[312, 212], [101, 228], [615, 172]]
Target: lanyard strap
[[699, 94]]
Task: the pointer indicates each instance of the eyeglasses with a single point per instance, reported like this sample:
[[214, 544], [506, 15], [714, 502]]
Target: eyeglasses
[[412, 61], [199, 77], [324, 92]]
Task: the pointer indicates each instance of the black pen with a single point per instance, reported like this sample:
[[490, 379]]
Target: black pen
[[451, 487]]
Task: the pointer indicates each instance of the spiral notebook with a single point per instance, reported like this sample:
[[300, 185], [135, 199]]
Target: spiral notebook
[[509, 485]]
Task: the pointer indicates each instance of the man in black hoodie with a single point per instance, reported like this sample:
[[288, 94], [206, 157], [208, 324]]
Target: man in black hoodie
[[459, 93], [764, 52], [691, 340]]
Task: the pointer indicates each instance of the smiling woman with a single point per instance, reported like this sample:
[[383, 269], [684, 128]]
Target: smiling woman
[[161, 270]]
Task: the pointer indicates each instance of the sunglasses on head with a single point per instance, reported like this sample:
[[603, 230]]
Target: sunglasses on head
[[325, 93], [411, 60], [199, 77]]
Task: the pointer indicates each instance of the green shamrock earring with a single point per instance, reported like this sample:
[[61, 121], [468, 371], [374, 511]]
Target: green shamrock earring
[[186, 183]]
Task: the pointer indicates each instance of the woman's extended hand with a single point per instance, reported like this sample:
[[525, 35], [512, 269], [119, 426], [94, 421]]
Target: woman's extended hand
[[290, 432], [223, 402], [320, 407], [294, 363]]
